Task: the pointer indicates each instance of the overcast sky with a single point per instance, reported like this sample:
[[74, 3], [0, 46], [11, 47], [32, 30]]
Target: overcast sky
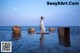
[[28, 13]]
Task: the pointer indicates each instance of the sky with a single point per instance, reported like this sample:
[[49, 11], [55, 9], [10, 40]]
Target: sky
[[28, 13]]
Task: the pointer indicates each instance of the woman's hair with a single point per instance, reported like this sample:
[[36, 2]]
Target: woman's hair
[[42, 17]]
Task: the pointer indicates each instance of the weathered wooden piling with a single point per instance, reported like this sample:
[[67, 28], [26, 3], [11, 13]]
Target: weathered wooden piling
[[51, 29], [16, 29], [64, 36], [31, 30]]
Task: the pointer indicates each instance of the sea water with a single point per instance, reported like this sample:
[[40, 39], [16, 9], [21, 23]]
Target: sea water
[[31, 43]]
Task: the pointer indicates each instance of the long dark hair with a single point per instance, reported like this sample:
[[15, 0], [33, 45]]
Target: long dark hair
[[42, 17]]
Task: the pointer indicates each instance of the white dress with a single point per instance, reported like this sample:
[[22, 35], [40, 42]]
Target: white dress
[[42, 27]]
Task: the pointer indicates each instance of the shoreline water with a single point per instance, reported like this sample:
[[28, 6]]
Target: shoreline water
[[31, 43]]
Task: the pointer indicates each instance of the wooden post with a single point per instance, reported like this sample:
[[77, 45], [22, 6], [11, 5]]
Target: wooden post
[[51, 29], [31, 31], [16, 30], [64, 36]]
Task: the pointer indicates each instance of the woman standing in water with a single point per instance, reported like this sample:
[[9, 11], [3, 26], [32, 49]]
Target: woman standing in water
[[42, 28]]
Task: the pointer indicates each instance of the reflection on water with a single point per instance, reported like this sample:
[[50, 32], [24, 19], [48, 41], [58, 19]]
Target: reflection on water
[[42, 40], [31, 33], [41, 43], [16, 36]]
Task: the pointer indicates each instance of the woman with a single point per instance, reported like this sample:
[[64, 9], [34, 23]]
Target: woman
[[42, 27]]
